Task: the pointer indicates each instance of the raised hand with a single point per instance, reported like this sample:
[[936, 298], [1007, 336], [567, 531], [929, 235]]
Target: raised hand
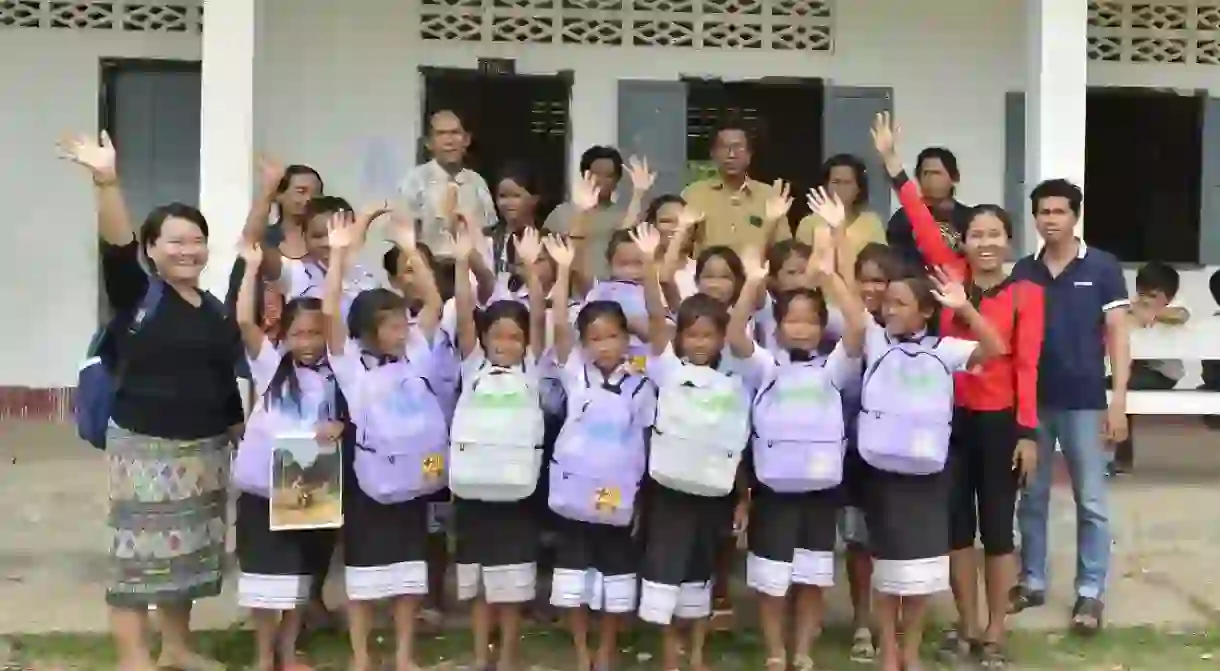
[[688, 217], [585, 193], [251, 253], [271, 173], [401, 230], [447, 200], [885, 134], [96, 155], [462, 244], [341, 231], [559, 250], [826, 204], [642, 178], [949, 292], [752, 263], [778, 203], [529, 245], [647, 238]]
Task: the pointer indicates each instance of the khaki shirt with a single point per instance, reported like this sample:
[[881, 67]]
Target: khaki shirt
[[733, 218], [865, 228], [604, 221]]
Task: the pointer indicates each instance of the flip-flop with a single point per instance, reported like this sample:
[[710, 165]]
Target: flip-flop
[[776, 664], [803, 663], [863, 650]]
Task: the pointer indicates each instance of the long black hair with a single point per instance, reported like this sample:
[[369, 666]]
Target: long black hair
[[284, 381]]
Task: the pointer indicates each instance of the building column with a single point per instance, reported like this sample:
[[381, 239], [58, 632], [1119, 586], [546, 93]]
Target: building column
[[226, 164], [1057, 78]]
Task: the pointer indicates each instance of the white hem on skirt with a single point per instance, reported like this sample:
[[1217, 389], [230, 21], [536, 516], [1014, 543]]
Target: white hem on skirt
[[574, 588], [272, 592], [369, 583], [513, 583], [911, 577]]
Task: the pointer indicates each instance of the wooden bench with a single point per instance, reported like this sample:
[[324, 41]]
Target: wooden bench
[[1194, 341]]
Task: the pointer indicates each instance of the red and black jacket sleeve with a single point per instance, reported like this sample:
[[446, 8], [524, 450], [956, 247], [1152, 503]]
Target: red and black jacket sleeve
[[925, 230], [1028, 331]]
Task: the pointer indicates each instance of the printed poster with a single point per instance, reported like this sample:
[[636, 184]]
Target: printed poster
[[306, 483]]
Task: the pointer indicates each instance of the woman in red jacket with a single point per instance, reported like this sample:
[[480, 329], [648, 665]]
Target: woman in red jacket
[[993, 447]]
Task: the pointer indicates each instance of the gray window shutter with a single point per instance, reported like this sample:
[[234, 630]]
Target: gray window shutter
[[846, 121], [1209, 185], [652, 124], [1014, 169]]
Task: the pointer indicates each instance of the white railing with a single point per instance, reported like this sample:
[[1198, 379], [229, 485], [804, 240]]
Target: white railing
[[1197, 340]]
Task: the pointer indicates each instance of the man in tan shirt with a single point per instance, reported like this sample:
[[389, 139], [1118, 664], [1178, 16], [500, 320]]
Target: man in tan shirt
[[734, 206]]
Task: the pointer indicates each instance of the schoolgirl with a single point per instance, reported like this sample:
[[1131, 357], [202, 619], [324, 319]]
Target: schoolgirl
[[294, 390], [402, 278], [388, 379], [903, 435], [674, 221], [700, 434], [786, 262], [625, 290], [597, 467], [869, 272], [295, 278], [495, 452]]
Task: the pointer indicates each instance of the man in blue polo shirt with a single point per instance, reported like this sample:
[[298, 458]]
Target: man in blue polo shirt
[[1086, 320]]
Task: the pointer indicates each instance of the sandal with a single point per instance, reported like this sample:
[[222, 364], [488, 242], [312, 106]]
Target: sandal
[[863, 650], [1086, 616], [1020, 598], [776, 664], [991, 656], [953, 648], [803, 663]]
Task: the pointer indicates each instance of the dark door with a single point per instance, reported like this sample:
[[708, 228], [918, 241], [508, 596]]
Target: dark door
[[510, 118]]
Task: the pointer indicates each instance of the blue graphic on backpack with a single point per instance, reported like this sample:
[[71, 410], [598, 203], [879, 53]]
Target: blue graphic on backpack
[[97, 383]]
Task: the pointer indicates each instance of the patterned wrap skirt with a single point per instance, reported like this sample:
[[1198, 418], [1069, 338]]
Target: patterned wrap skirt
[[167, 517]]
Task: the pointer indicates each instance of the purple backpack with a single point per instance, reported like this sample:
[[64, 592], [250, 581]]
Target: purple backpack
[[599, 455], [255, 456], [906, 409], [402, 437], [798, 430]]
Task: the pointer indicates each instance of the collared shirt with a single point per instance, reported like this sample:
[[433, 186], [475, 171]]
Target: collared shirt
[[1072, 370], [605, 219], [733, 218], [423, 190], [862, 230]]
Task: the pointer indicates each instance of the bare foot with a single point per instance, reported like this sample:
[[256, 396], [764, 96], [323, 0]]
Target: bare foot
[[364, 664], [188, 661]]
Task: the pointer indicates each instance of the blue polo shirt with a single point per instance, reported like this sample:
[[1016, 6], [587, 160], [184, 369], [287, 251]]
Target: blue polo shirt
[[1072, 369]]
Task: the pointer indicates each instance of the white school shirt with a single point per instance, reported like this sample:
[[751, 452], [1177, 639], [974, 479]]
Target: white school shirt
[[477, 360], [954, 353], [765, 325], [684, 279], [842, 368], [353, 365], [306, 278], [663, 367], [314, 408], [576, 375]]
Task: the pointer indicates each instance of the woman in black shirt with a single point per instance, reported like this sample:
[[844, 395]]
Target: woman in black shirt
[[176, 408]]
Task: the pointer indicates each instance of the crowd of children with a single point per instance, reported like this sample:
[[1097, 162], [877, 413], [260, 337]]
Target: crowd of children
[[791, 394]]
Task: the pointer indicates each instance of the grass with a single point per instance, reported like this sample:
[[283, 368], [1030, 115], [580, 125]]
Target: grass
[[1113, 650]]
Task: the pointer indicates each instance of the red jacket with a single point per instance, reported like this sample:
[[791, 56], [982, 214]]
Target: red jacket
[[1014, 308]]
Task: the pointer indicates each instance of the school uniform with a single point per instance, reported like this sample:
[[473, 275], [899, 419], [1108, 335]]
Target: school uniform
[[276, 568], [446, 366], [305, 277], [599, 462], [682, 530], [794, 508], [386, 522], [497, 549], [906, 413]]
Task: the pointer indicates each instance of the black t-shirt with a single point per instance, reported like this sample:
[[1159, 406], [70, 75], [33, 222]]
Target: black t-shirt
[[901, 238], [177, 371]]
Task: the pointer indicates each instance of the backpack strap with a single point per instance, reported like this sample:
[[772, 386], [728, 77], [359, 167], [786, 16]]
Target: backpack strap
[[149, 303]]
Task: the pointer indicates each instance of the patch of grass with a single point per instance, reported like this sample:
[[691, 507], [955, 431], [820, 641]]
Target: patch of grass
[[1113, 650]]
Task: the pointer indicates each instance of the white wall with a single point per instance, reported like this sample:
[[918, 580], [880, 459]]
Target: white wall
[[48, 269], [333, 81]]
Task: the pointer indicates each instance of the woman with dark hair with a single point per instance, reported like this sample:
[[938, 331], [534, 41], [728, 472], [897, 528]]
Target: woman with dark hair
[[175, 413], [845, 176], [993, 449], [521, 204]]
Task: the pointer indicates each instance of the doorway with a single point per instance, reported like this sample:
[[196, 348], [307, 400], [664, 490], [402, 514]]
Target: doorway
[[1143, 162], [784, 118], [510, 117], [151, 110]]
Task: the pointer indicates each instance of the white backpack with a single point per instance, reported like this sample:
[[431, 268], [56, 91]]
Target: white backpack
[[495, 448], [702, 427]]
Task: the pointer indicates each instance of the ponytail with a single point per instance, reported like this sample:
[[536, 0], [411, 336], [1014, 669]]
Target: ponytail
[[285, 376]]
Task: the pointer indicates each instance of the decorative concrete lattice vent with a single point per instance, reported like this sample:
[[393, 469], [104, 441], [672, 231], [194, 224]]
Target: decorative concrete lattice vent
[[184, 16], [1185, 32], [790, 25]]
